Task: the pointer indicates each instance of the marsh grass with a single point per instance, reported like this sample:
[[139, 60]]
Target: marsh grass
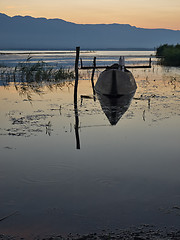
[[31, 78], [41, 71], [34, 72]]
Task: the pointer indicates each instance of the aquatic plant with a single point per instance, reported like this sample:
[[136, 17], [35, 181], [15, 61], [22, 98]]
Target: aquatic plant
[[169, 55], [63, 74], [6, 75], [40, 71], [29, 78]]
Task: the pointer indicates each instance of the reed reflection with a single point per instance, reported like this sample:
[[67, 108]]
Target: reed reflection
[[27, 89]]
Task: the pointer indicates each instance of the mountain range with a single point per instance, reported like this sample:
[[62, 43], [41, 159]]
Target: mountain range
[[27, 32]]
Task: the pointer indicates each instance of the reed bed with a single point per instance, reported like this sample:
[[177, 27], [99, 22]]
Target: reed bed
[[29, 78], [34, 72]]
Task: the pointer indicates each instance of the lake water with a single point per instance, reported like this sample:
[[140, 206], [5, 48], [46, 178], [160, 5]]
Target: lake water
[[113, 177]]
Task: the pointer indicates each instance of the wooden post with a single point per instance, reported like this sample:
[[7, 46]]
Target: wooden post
[[92, 77], [76, 74], [150, 62], [81, 63], [121, 63], [75, 99]]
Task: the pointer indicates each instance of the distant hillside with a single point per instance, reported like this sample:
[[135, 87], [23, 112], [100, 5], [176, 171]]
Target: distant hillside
[[40, 33]]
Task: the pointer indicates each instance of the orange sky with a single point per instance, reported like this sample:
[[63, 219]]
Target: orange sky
[[140, 13]]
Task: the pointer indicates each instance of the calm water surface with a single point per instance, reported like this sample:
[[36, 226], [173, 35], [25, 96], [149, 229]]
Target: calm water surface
[[122, 175]]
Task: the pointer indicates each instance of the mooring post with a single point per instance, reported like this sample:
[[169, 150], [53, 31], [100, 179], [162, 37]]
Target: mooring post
[[76, 74], [75, 99], [122, 63], [150, 61], [92, 77]]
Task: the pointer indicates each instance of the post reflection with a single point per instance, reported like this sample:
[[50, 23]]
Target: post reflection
[[76, 126]]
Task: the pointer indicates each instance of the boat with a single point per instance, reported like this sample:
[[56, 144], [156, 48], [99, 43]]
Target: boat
[[115, 89], [115, 81]]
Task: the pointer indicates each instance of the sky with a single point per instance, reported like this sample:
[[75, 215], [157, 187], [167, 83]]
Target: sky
[[139, 13]]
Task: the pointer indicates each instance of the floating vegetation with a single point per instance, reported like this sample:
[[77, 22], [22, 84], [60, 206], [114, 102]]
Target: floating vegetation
[[28, 125], [169, 55]]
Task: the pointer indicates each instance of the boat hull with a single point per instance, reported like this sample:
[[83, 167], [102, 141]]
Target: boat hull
[[115, 82]]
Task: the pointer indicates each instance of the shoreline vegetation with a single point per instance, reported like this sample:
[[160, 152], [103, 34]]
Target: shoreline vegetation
[[35, 72], [169, 55]]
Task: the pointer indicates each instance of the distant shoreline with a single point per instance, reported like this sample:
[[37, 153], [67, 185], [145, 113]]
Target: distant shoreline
[[73, 49], [63, 51]]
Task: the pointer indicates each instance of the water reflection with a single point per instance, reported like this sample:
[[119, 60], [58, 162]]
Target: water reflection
[[76, 126], [123, 175], [115, 107], [27, 89]]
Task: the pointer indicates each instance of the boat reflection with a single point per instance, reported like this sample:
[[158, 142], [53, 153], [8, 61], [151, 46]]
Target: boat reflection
[[115, 107]]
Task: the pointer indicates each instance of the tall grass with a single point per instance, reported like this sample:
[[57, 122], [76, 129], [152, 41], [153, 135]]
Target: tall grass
[[169, 55], [30, 78], [34, 72]]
